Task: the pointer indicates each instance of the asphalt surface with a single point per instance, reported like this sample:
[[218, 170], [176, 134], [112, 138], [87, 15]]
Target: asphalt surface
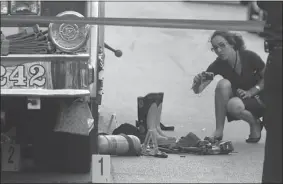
[[166, 60]]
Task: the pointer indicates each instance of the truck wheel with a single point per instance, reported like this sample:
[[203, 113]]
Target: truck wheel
[[60, 151]]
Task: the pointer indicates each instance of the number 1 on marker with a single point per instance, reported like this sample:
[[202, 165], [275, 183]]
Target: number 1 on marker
[[101, 165]]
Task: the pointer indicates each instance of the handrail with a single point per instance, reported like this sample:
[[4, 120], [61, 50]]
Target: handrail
[[17, 59], [44, 92], [224, 25]]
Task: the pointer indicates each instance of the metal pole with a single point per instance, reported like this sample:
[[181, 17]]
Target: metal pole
[[92, 11], [225, 25]]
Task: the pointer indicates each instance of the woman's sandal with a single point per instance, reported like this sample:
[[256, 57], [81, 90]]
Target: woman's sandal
[[151, 152], [160, 154], [213, 139], [255, 140]]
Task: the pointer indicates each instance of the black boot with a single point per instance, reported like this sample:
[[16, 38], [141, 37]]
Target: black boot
[[144, 104]]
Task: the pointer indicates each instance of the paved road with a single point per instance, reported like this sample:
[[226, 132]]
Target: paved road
[[166, 60]]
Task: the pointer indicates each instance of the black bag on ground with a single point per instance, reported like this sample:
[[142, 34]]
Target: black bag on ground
[[128, 129]]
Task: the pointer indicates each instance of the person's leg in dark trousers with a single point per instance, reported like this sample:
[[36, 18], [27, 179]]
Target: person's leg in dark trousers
[[272, 167]]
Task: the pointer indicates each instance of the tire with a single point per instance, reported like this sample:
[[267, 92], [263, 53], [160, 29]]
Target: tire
[[59, 151]]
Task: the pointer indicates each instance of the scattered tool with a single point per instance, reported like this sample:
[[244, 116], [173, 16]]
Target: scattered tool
[[192, 144], [112, 120]]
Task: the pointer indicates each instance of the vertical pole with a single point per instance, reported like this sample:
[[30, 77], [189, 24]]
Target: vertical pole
[[101, 55], [93, 11]]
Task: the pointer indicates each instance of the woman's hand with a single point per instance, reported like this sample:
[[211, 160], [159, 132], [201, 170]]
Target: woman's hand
[[201, 78], [198, 79], [243, 94]]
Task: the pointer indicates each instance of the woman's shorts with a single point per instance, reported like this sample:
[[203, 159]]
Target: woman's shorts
[[252, 105]]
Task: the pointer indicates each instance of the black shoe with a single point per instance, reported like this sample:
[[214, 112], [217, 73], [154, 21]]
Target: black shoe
[[166, 128], [255, 140]]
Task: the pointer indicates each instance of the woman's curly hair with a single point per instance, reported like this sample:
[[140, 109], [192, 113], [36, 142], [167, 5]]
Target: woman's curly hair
[[232, 38]]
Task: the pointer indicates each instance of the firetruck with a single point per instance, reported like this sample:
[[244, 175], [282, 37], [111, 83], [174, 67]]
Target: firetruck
[[50, 73]]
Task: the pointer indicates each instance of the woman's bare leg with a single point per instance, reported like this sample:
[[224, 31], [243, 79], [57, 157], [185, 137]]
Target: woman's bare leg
[[236, 107], [159, 109], [151, 117], [223, 93], [158, 128], [151, 121]]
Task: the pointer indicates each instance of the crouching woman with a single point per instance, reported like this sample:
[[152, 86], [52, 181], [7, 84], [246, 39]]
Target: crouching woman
[[238, 96]]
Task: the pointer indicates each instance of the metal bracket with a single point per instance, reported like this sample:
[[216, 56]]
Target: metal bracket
[[33, 103], [3, 122], [91, 74]]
